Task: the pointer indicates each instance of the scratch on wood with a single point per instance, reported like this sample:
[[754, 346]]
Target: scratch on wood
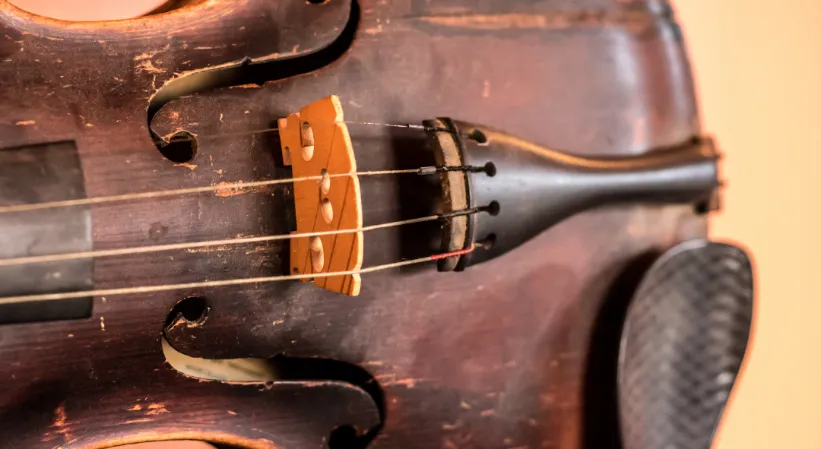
[[488, 412], [102, 324], [138, 420], [60, 416], [231, 412], [61, 422], [25, 123], [559, 20], [150, 54], [257, 249], [156, 409], [229, 191], [409, 382], [206, 249], [148, 66], [136, 408], [372, 31], [187, 165]]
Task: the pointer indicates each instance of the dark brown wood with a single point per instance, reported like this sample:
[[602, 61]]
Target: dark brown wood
[[514, 353]]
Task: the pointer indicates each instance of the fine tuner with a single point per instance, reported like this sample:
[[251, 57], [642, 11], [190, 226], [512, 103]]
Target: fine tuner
[[498, 191]]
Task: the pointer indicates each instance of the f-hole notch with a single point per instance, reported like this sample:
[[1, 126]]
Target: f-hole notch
[[181, 148]]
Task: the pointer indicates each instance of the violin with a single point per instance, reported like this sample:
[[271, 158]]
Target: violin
[[416, 223]]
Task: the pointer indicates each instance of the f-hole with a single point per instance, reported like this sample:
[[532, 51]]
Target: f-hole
[[246, 71], [193, 311], [279, 369]]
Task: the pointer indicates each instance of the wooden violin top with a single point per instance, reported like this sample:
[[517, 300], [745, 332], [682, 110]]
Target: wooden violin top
[[518, 352]]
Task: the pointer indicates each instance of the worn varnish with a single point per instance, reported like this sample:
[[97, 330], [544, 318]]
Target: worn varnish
[[518, 352]]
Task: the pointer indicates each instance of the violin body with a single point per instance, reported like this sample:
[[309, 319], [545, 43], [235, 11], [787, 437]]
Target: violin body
[[517, 352]]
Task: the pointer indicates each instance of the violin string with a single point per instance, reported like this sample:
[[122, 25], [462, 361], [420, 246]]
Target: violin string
[[230, 186], [276, 128], [28, 260], [236, 185], [243, 185], [224, 283]]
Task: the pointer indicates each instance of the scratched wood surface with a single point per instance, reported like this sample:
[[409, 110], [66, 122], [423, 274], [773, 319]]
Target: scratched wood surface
[[515, 353]]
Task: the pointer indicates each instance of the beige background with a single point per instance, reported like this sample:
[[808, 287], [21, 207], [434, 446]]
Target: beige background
[[758, 71]]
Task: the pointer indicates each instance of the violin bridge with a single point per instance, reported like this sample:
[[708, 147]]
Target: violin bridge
[[315, 142]]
